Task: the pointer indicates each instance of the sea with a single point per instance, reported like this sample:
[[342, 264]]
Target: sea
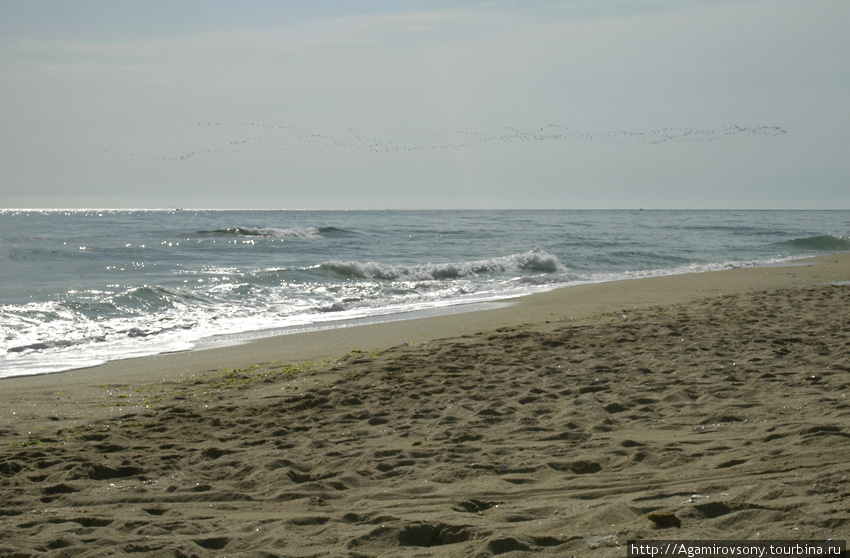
[[83, 287]]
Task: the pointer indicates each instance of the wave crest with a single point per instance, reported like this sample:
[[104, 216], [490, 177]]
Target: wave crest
[[267, 232], [534, 261], [821, 242]]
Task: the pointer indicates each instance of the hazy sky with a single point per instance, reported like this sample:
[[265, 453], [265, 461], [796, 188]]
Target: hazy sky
[[420, 104]]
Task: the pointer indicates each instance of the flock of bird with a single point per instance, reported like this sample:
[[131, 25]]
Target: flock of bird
[[294, 138], [183, 157]]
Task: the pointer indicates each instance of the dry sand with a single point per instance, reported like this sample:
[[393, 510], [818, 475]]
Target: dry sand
[[552, 425]]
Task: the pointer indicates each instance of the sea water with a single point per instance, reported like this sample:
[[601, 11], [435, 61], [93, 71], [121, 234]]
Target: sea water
[[83, 287]]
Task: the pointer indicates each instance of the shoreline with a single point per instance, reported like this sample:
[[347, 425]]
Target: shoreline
[[574, 302], [556, 425]]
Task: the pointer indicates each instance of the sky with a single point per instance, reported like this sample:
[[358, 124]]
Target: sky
[[337, 104]]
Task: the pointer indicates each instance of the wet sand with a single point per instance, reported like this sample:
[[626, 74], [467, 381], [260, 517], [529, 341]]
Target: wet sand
[[552, 425]]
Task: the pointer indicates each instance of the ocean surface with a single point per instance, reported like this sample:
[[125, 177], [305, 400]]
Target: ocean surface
[[83, 287]]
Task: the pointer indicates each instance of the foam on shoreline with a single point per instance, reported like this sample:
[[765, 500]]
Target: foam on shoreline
[[574, 303]]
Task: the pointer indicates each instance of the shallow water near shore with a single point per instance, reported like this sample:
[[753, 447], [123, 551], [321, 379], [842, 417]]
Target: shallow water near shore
[[83, 287]]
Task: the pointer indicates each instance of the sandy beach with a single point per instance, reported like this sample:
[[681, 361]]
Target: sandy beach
[[551, 425]]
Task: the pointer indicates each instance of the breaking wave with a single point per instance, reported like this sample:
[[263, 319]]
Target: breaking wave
[[536, 261]]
